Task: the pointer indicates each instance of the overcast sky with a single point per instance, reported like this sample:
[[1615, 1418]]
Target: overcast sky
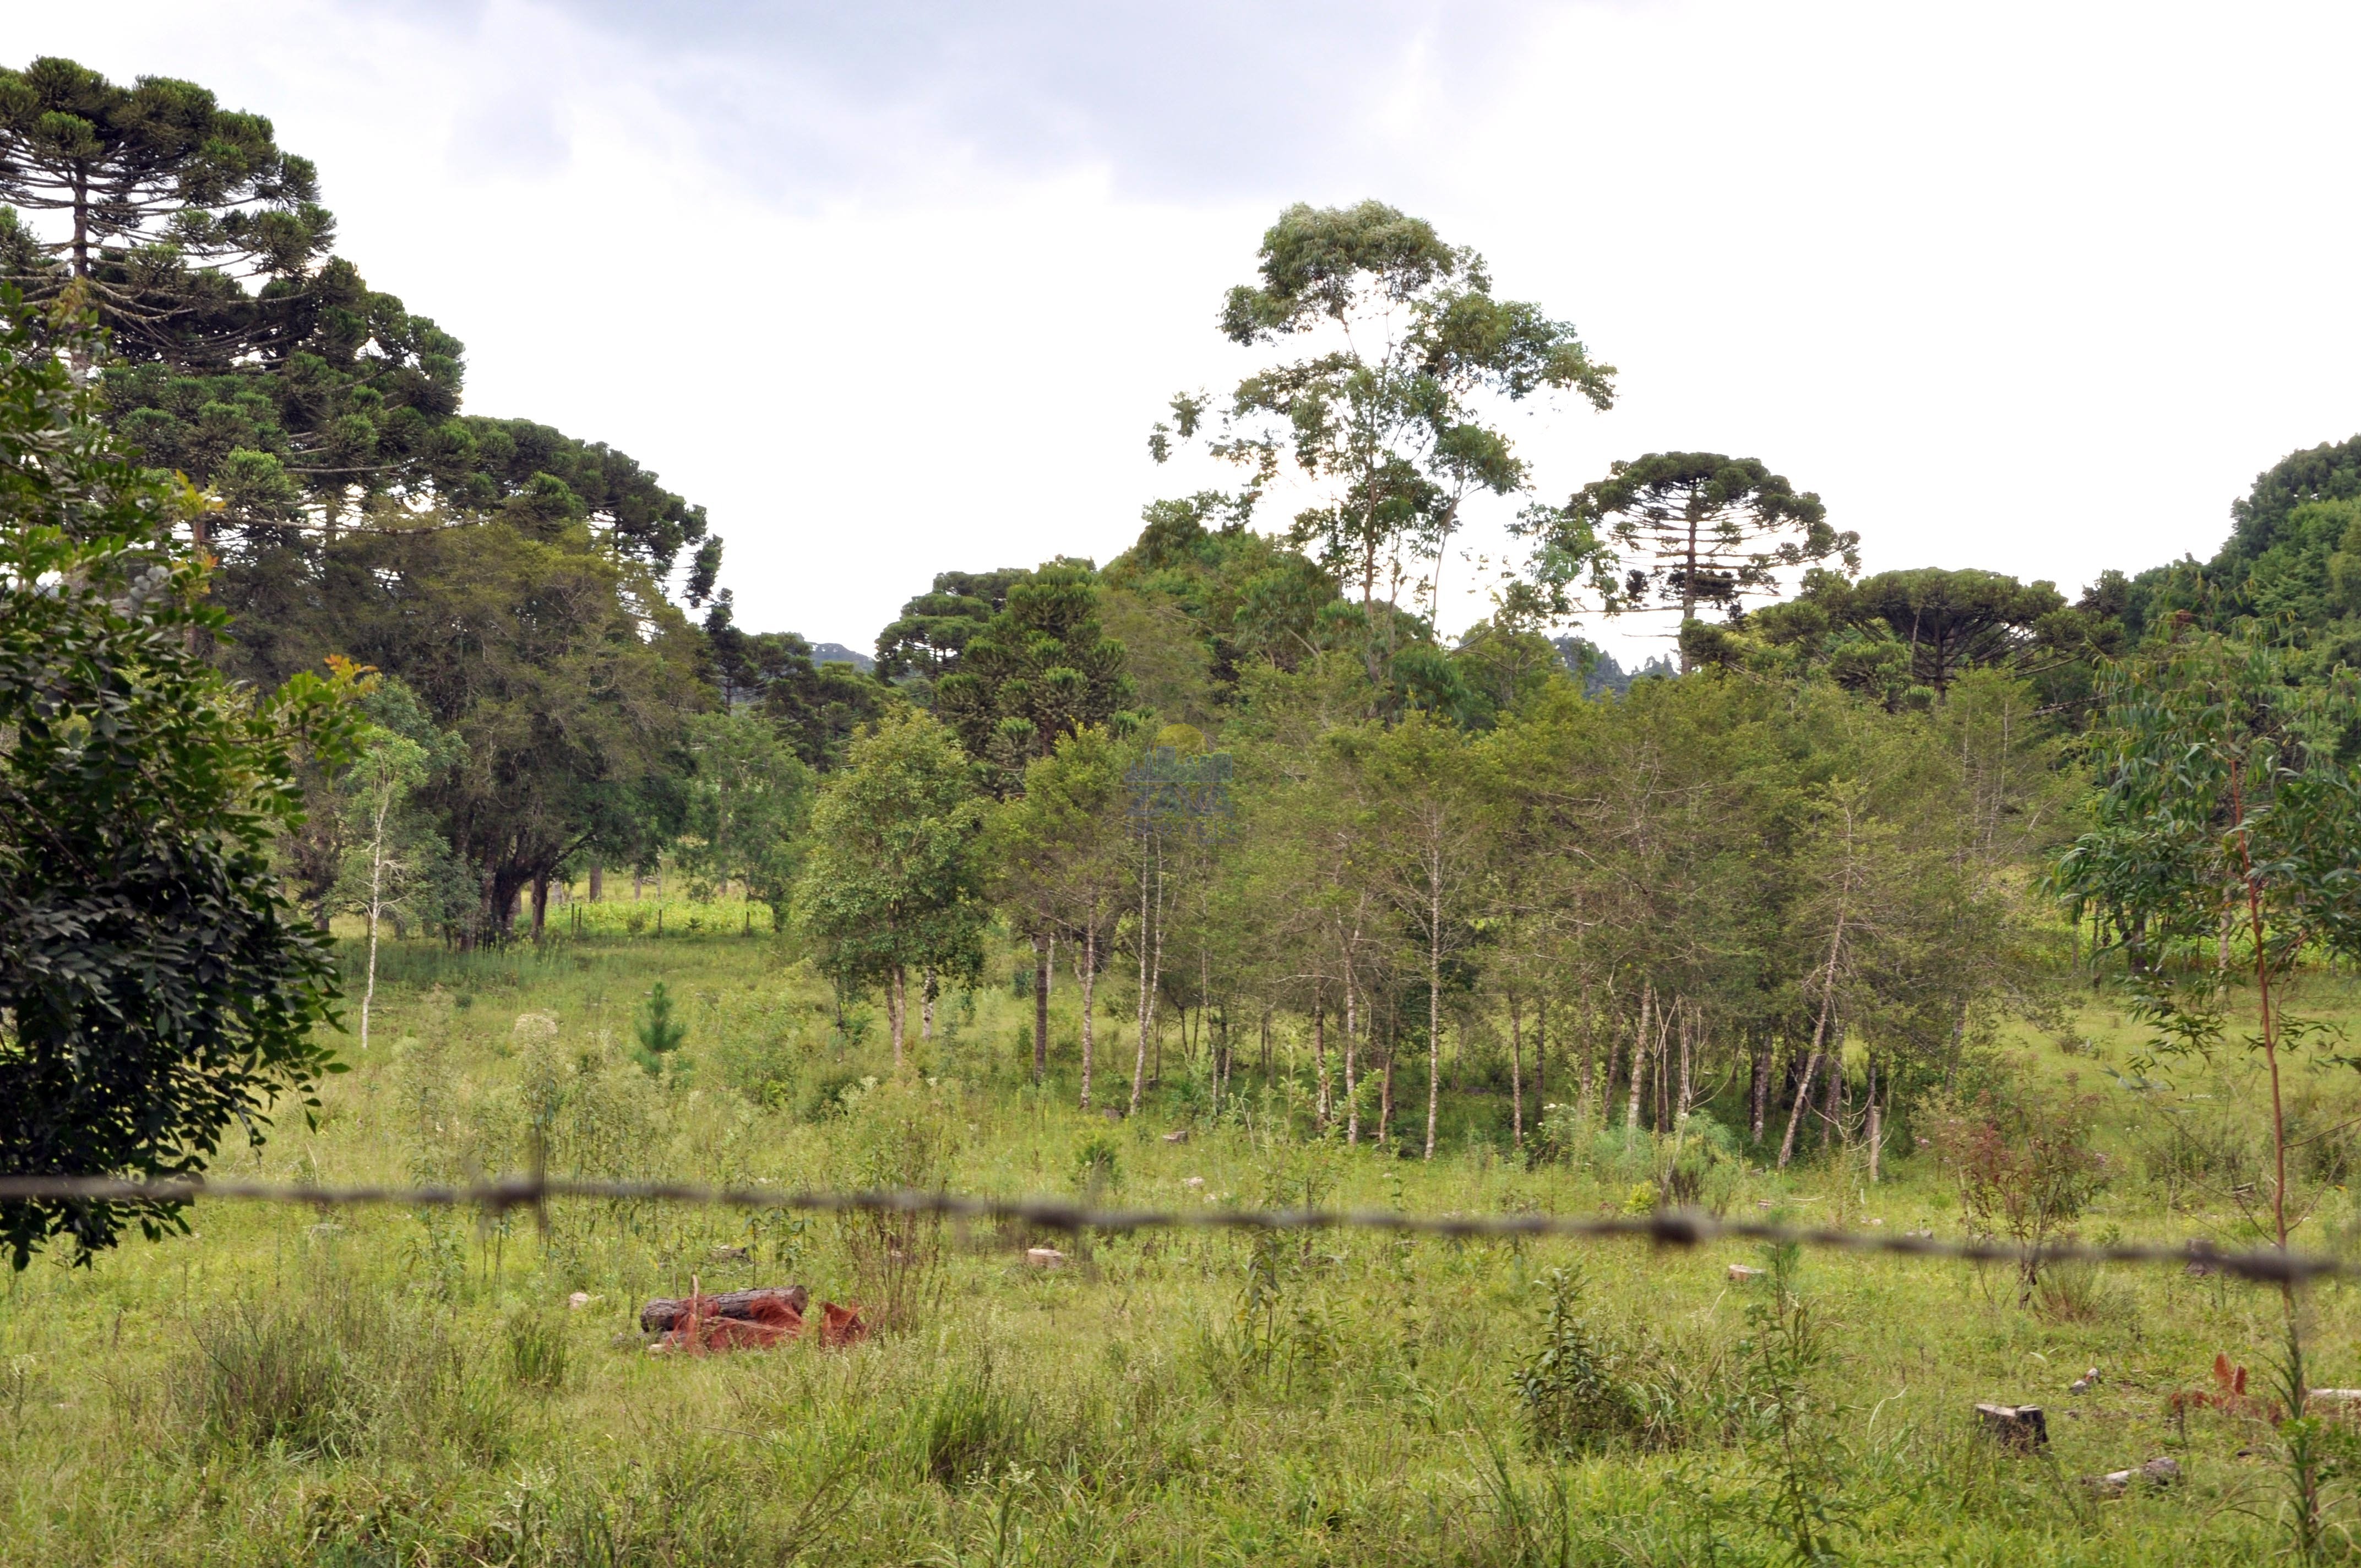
[[899, 286]]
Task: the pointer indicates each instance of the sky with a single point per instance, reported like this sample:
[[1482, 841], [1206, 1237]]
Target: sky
[[899, 288]]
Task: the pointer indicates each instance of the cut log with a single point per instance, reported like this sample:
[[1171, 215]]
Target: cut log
[[1045, 1257], [762, 1305], [1180, 1136], [2115, 1483], [2020, 1427], [1740, 1274]]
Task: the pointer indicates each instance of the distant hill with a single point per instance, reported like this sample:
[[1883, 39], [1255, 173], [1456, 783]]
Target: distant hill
[[838, 653]]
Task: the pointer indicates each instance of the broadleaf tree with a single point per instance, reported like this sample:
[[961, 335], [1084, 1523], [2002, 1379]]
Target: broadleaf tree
[[158, 991], [890, 886]]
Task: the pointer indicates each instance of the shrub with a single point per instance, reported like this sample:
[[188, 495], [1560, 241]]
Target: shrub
[[2024, 1171], [1571, 1391]]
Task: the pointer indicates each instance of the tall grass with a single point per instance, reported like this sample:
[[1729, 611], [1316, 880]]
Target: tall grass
[[394, 1388]]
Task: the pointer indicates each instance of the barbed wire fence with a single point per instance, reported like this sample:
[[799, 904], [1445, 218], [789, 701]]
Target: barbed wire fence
[[1682, 1228]]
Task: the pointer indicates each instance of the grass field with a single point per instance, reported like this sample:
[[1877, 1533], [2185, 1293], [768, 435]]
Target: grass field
[[384, 1387]]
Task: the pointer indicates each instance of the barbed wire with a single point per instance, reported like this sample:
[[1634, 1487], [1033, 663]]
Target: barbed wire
[[1668, 1227]]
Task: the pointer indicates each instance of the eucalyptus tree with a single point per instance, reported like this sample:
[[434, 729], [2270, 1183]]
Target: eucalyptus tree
[[1386, 414], [2223, 851], [1435, 832]]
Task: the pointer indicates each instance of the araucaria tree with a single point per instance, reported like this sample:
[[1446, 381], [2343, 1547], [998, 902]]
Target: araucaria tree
[[1698, 529], [1392, 414], [157, 990], [164, 206], [890, 882]]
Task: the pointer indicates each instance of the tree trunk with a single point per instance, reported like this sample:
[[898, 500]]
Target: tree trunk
[[926, 1006], [1541, 1052], [1761, 1098], [894, 1006], [1876, 1122], [1433, 1019], [1515, 1070], [1352, 1063], [1639, 1063], [598, 881], [1386, 1093], [1795, 1111], [1681, 1102], [1040, 1009], [540, 903], [1833, 1099], [1090, 968], [1819, 1036], [1320, 1051]]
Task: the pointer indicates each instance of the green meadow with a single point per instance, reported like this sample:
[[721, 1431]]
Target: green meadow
[[380, 1386]]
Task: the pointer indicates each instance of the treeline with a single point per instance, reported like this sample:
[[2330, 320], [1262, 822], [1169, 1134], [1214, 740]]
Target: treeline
[[1232, 784]]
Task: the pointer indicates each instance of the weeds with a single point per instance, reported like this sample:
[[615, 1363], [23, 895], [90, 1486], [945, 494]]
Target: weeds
[[1572, 1391], [1784, 1348]]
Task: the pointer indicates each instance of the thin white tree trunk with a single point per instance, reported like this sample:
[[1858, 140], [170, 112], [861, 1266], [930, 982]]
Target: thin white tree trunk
[[1639, 1062], [1516, 1069], [1352, 1061], [1320, 1051], [1819, 1037], [1089, 975], [1433, 1001], [893, 1011]]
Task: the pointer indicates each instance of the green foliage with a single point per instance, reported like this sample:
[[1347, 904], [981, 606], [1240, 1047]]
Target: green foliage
[[2227, 820], [1785, 1346], [157, 990], [1039, 671], [1572, 1389], [164, 204], [890, 883], [748, 800], [1385, 417], [656, 1035], [536, 1347], [1698, 530], [1098, 1165], [934, 628]]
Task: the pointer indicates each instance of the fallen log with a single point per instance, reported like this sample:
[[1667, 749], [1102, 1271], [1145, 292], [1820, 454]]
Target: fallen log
[[760, 1305]]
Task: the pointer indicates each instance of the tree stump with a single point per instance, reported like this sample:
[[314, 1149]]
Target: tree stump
[[2020, 1427]]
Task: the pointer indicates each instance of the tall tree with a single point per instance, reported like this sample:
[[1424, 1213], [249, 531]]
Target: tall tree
[[749, 795], [1435, 830], [926, 639], [1706, 529], [890, 882], [1387, 416], [1039, 670], [160, 207]]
